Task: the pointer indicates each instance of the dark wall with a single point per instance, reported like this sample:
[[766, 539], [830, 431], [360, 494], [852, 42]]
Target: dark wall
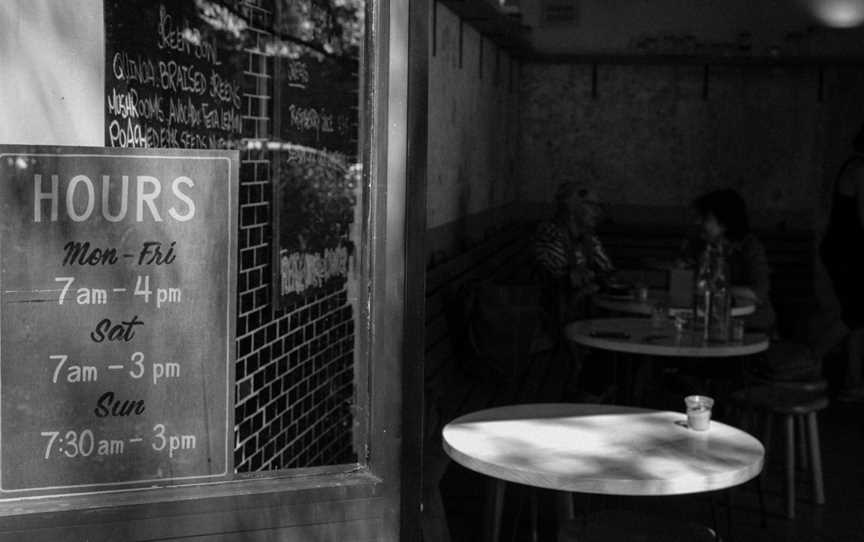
[[651, 137]]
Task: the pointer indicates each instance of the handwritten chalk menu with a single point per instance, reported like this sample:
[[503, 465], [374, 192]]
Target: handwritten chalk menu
[[319, 102], [318, 182], [172, 78], [117, 317]]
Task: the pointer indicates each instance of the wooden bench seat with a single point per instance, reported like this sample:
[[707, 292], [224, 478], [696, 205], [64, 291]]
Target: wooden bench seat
[[456, 383]]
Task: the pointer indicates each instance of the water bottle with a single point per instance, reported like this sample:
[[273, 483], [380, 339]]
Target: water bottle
[[721, 306], [702, 292]]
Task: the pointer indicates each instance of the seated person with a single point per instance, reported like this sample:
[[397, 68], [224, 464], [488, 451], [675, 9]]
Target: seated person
[[722, 219], [568, 255], [570, 262]]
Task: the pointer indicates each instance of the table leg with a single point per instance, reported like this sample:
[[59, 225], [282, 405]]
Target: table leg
[[815, 458], [494, 510]]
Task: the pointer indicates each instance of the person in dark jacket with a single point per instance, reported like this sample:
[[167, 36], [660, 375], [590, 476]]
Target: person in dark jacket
[[842, 252]]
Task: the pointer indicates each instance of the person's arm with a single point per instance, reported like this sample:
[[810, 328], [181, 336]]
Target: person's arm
[[759, 275], [602, 260], [550, 251], [688, 253]]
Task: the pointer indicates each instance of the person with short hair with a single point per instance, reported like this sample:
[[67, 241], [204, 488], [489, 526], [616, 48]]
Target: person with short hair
[[567, 252], [571, 264]]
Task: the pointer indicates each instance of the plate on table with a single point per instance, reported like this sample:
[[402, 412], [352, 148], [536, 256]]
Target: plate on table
[[619, 297], [618, 291]]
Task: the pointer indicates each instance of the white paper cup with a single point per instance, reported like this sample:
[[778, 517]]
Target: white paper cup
[[699, 411]]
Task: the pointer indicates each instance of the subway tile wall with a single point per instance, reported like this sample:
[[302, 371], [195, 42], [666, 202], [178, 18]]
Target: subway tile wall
[[294, 387]]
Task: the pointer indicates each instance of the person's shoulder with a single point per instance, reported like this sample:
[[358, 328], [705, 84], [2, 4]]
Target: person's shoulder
[[751, 243], [548, 228]]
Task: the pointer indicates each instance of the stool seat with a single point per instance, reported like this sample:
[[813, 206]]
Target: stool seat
[[781, 399], [787, 361], [627, 526], [813, 386]]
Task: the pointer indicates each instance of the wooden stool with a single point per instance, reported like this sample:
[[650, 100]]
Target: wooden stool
[[626, 526], [792, 402]]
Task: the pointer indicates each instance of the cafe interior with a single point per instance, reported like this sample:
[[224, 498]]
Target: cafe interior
[[495, 270]]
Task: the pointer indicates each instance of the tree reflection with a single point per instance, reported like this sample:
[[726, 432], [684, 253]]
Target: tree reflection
[[332, 27]]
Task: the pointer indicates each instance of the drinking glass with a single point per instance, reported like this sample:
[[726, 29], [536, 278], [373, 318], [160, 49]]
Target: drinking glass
[[659, 314], [737, 331], [699, 411]]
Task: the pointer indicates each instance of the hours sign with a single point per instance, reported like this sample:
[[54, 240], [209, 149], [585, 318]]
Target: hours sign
[[116, 317]]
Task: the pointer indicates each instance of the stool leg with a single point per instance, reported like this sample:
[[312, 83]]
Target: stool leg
[[801, 433], [760, 490], [816, 458], [564, 505], [532, 503], [768, 422], [789, 430], [494, 509]]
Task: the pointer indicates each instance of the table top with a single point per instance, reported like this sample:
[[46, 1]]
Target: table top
[[643, 336], [606, 449], [631, 305]]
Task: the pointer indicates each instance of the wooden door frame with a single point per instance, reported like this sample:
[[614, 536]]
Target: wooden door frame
[[415, 257]]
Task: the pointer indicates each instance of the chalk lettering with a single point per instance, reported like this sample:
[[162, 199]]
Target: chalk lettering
[[80, 200], [184, 39], [224, 89], [301, 271], [151, 254], [181, 78], [107, 405], [130, 136], [122, 332], [78, 253]]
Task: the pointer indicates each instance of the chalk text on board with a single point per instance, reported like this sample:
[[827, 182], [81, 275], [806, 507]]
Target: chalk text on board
[[81, 443], [72, 373], [184, 39], [151, 253], [81, 254], [171, 443], [159, 370], [122, 332], [107, 405], [80, 198]]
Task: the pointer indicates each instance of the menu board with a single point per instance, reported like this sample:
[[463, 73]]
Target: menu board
[[318, 181], [319, 102], [116, 317], [172, 75]]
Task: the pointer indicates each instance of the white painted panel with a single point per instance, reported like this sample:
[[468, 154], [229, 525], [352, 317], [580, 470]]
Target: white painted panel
[[52, 62]]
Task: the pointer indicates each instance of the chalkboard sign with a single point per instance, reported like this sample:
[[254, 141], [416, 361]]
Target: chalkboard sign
[[173, 74], [318, 175], [319, 97], [117, 317]]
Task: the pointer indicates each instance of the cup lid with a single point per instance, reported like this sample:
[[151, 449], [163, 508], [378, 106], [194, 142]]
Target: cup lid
[[699, 401]]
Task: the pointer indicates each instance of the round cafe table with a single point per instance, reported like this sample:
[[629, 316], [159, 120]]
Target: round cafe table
[[603, 449], [643, 336], [630, 304]]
